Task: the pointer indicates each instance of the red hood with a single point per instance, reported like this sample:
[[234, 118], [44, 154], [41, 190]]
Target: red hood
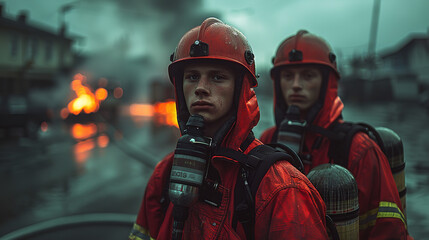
[[247, 116], [237, 129], [332, 106]]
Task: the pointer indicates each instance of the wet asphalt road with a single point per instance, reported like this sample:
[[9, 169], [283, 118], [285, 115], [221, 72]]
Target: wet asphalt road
[[58, 175]]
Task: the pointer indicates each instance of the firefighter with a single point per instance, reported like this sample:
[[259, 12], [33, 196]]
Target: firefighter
[[213, 73], [305, 78]]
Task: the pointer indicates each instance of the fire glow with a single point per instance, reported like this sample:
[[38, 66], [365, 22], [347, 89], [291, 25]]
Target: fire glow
[[86, 100], [88, 136], [83, 131], [163, 113]]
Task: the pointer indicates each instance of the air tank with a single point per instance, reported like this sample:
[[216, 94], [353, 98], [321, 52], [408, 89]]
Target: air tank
[[339, 190], [394, 151]]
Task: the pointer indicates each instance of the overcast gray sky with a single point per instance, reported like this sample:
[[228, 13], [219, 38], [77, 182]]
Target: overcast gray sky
[[345, 24]]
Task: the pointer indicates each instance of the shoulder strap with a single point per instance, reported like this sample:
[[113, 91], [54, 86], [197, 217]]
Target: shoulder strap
[[260, 159], [267, 156], [256, 163], [374, 135], [339, 148], [254, 166], [295, 159]]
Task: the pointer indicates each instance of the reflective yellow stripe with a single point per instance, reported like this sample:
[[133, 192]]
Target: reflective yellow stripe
[[139, 233], [390, 210], [385, 210]]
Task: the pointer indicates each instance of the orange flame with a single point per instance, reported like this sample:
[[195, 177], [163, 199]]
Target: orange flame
[[142, 110], [164, 113], [85, 100], [101, 94]]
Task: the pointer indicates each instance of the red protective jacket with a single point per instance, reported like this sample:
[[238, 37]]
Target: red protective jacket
[[380, 214], [287, 205]]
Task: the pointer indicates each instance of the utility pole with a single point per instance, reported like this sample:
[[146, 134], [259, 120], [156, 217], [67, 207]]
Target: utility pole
[[374, 27], [64, 9]]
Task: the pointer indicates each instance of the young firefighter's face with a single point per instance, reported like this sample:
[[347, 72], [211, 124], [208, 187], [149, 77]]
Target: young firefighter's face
[[208, 88], [301, 85]]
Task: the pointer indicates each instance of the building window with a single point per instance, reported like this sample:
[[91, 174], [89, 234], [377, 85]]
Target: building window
[[34, 43], [27, 51], [49, 49], [31, 49], [35, 47], [14, 45]]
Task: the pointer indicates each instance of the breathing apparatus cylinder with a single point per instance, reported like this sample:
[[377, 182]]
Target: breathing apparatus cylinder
[[338, 188], [188, 171], [394, 151], [291, 129]]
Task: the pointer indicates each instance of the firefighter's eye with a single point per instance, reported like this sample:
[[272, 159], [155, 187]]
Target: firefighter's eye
[[218, 77], [287, 76], [191, 76], [308, 75]]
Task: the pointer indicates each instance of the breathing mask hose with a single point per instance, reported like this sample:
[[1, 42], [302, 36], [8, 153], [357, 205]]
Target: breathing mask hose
[[291, 129], [187, 173]]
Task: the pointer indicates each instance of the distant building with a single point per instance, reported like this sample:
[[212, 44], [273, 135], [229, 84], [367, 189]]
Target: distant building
[[398, 73], [30, 55], [408, 64]]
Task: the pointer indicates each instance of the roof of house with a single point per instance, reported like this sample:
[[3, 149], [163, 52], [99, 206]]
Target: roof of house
[[407, 44], [22, 24]]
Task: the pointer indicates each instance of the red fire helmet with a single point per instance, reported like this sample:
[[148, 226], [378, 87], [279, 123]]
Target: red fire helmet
[[304, 48], [213, 39]]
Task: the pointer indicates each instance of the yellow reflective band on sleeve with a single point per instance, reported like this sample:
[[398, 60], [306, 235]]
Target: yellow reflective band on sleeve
[[139, 233], [390, 210], [384, 210]]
